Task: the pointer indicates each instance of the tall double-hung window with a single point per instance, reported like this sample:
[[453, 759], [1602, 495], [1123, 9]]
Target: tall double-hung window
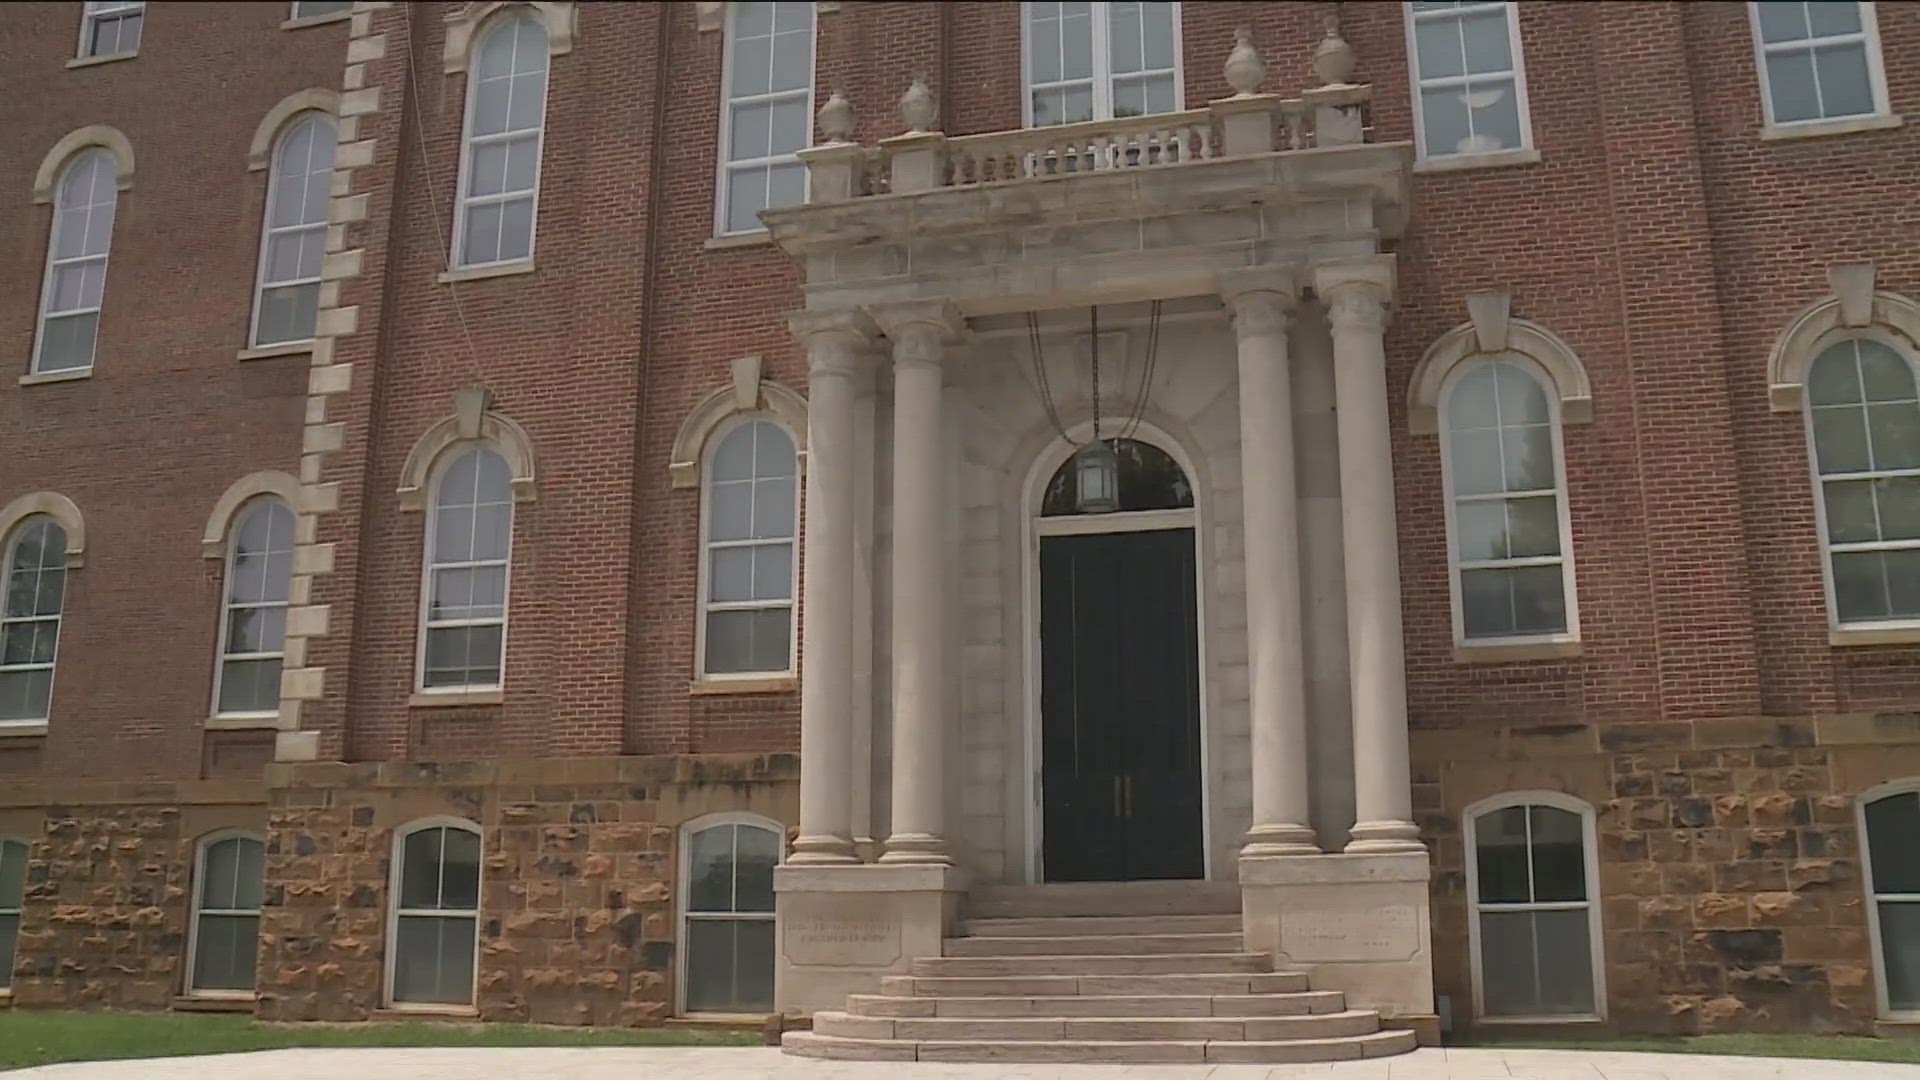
[[752, 519], [13, 891], [1819, 60], [469, 536], [294, 235], [36, 585], [1100, 61], [768, 114], [253, 621], [1532, 871], [83, 206], [1469, 86], [1863, 420], [500, 163], [111, 28]]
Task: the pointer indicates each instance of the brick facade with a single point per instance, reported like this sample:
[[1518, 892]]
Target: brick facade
[[1721, 738]]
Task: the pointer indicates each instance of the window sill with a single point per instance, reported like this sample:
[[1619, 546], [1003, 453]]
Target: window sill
[[285, 348], [758, 238], [1514, 652], [449, 699], [756, 684], [1519, 155], [29, 730], [68, 375], [244, 722], [1813, 129], [477, 273], [90, 61], [1897, 634], [1579, 1022], [426, 1012], [211, 1001], [317, 20]]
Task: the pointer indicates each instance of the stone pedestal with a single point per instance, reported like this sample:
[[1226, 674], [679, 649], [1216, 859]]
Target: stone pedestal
[[1360, 924], [838, 929]]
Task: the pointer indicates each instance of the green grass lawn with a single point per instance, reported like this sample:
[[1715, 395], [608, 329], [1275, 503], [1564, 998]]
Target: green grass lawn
[[36, 1037], [1839, 1047]]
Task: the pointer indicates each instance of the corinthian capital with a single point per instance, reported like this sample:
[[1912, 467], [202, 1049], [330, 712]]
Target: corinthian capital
[[920, 330], [1356, 291], [838, 340], [1261, 300]]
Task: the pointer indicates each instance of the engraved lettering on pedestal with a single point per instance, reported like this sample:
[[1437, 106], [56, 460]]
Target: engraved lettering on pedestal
[[1389, 932], [838, 942]]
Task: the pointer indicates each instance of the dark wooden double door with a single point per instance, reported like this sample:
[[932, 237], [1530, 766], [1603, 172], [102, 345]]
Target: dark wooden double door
[[1120, 707]]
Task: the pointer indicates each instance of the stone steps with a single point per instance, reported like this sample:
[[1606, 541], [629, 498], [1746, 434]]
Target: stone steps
[[1101, 925], [1103, 898], [1099, 1028], [1294, 1004], [1271, 982], [1092, 944], [1186, 1052], [1142, 964]]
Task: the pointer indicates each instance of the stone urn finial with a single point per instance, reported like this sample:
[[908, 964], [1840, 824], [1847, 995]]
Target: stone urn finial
[[836, 117], [1333, 57], [917, 107], [1245, 70]]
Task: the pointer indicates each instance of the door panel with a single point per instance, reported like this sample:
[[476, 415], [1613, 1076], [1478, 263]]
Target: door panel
[[1120, 707]]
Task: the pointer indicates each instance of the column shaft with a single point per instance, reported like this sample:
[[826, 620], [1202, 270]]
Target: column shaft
[[1275, 658]]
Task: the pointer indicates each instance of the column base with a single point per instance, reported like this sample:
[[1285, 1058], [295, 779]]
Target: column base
[[1360, 924], [822, 851], [1384, 838], [841, 928], [1284, 838], [916, 849]]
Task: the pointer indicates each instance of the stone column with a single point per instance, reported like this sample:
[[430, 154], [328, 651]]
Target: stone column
[[1261, 302], [1356, 292], [920, 332], [837, 342]]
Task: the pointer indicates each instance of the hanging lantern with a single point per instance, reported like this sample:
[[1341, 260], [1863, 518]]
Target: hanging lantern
[[1096, 469]]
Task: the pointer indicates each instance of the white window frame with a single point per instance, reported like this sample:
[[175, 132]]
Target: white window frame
[[1827, 546], [227, 606], [1873, 897], [19, 913], [457, 247], [7, 547], [1516, 58], [719, 436], [1591, 855], [1869, 35], [428, 566], [268, 230], [294, 15], [687, 915], [728, 101], [55, 262], [193, 922], [396, 871], [1102, 47], [1549, 390], [89, 15]]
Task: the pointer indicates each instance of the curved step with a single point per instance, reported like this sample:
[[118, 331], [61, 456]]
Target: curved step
[[1377, 1044], [1094, 945], [1300, 1003], [1139, 964], [1099, 1028], [1075, 925], [1266, 982]]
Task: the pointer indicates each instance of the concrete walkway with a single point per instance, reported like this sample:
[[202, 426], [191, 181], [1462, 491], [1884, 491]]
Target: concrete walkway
[[754, 1063]]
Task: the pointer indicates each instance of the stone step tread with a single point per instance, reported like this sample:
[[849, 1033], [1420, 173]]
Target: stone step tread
[[1265, 982], [1090, 925], [1106, 898], [1290, 1003], [1102, 1028], [1101, 964], [1093, 945], [1377, 1044]]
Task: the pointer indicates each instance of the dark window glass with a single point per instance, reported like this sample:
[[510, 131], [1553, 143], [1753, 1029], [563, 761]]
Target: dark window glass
[[1149, 480]]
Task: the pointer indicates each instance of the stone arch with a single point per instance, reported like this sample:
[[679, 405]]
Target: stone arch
[[466, 23], [213, 541], [260, 149], [72, 143], [472, 421], [748, 393], [1490, 334], [56, 506], [1854, 309]]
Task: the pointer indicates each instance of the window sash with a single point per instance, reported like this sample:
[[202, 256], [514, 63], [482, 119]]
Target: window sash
[[1867, 37], [1514, 72], [471, 142], [433, 568], [1103, 79], [1590, 871], [1836, 619], [101, 14], [708, 546], [731, 103], [265, 281]]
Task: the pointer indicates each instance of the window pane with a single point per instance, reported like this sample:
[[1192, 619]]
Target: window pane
[[746, 197], [1840, 439], [218, 872], [773, 572], [1900, 952], [1043, 46], [249, 873], [1559, 863], [758, 854], [1790, 80], [750, 133], [288, 313], [711, 963], [225, 948], [790, 129], [1539, 600], [460, 871], [249, 686], [482, 236], [1500, 851], [528, 101], [1536, 963], [730, 511], [1844, 89], [1893, 431], [1123, 37], [1903, 583], [792, 62], [516, 229], [420, 869], [1782, 20], [9, 938], [1850, 513], [773, 509], [1859, 586], [710, 869], [1898, 498], [748, 640], [772, 631], [1835, 376], [66, 342], [1893, 840], [1887, 376], [1486, 42], [1439, 47], [730, 575], [1481, 530], [786, 185], [1533, 526], [433, 960], [1495, 116], [1486, 603], [24, 694], [1157, 34], [463, 656], [13, 874]]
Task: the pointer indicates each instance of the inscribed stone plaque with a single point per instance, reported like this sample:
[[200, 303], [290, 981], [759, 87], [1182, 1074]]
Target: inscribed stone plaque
[[1334, 935], [842, 940]]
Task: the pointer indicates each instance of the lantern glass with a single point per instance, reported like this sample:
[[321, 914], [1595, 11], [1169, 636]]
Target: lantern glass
[[1097, 478]]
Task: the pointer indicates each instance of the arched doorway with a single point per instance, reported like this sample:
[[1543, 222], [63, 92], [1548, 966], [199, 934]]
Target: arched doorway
[[1118, 668]]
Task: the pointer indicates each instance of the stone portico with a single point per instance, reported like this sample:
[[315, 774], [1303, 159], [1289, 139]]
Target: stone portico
[[1237, 260]]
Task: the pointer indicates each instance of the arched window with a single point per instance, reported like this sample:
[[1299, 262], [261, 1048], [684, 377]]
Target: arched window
[[752, 517], [228, 883], [1531, 874], [500, 167], [30, 620], [1890, 825], [435, 913], [84, 202], [294, 236], [1117, 475], [1506, 505], [13, 893], [768, 114], [1863, 421], [728, 862], [253, 621], [469, 538]]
